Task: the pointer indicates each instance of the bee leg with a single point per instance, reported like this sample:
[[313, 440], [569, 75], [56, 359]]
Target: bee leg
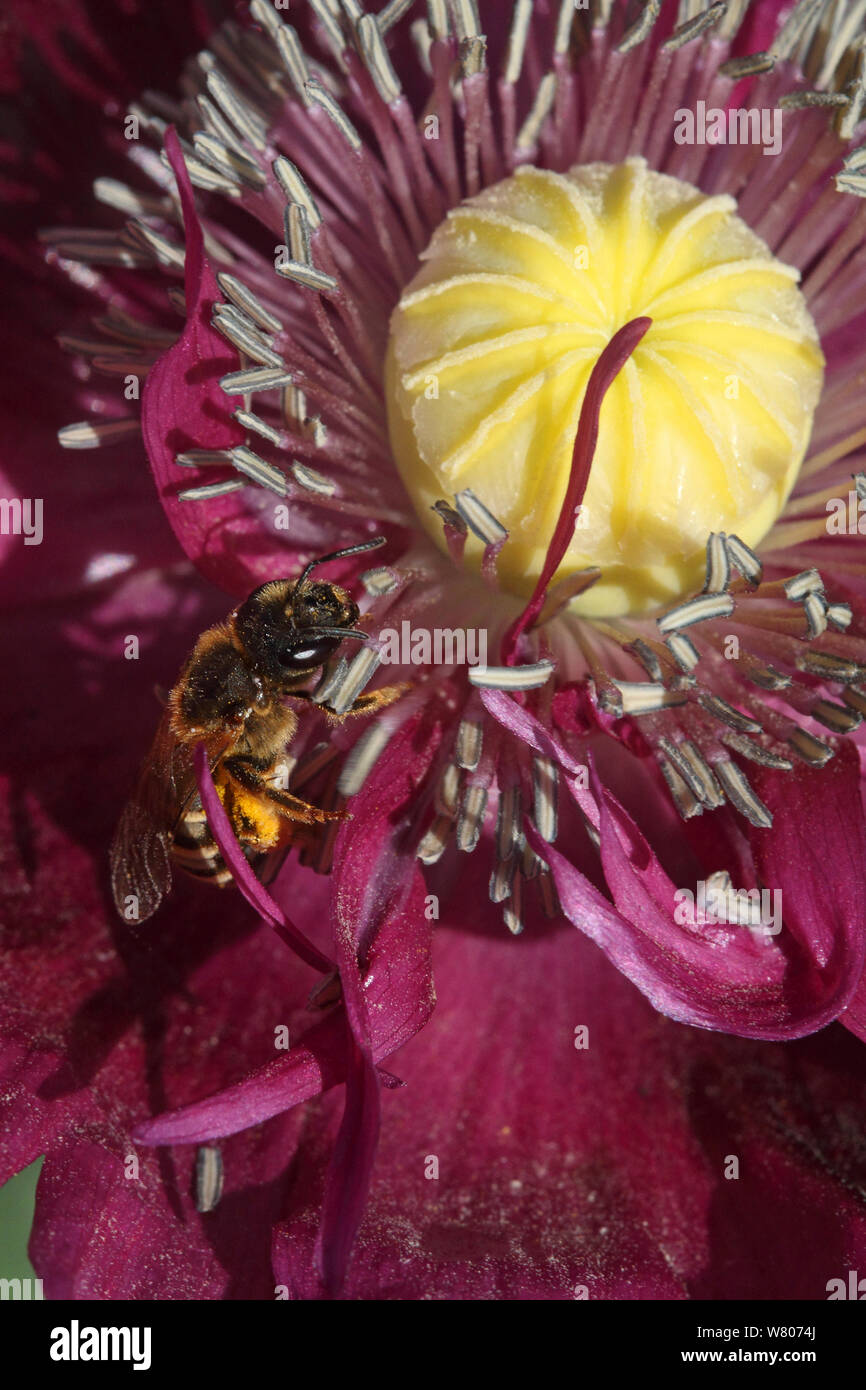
[[253, 779], [372, 702]]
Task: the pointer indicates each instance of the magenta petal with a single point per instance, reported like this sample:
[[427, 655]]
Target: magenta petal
[[183, 407], [351, 1166], [816, 852], [313, 1065]]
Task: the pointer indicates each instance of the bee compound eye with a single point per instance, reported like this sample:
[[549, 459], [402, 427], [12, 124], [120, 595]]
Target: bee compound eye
[[311, 652]]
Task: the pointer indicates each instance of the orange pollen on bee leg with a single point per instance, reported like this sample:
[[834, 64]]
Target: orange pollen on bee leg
[[607, 368], [253, 821]]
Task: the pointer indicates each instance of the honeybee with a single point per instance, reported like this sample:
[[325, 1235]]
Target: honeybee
[[230, 696]]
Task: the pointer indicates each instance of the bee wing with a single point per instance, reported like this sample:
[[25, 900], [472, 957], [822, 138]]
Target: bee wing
[[140, 863], [141, 849]]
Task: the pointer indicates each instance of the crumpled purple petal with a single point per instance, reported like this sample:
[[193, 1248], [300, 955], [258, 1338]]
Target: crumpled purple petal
[[725, 977]]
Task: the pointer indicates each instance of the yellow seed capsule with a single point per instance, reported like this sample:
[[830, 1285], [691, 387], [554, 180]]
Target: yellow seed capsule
[[704, 428]]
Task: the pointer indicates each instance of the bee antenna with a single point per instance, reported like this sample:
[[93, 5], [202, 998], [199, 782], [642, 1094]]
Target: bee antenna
[[336, 632], [335, 555], [339, 555]]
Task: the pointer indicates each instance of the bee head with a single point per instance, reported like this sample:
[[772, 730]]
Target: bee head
[[289, 628]]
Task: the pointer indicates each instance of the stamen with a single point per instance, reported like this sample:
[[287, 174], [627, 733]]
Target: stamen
[[810, 750], [244, 337], [253, 422], [743, 558], [683, 797], [648, 660], [605, 371], [836, 718], [756, 752], [696, 610], [855, 699], [208, 1178], [693, 28], [165, 251], [718, 564], [694, 771], [227, 161], [829, 666], [435, 842], [379, 581], [640, 30], [806, 582], [245, 382], [471, 819], [448, 791], [312, 481], [508, 822], [391, 13], [816, 614], [540, 110], [481, 522], [545, 785], [256, 468], [766, 677], [501, 880], [840, 616], [377, 60], [741, 794], [216, 124], [721, 710], [645, 697], [210, 490], [91, 434], [239, 112], [707, 786], [683, 651], [511, 677], [330, 680], [469, 743], [203, 458], [244, 299], [517, 40], [750, 66], [360, 670], [549, 897], [296, 190], [307, 276], [360, 761], [512, 912], [322, 97]]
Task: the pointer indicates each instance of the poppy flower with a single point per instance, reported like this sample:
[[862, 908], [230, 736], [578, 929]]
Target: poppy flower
[[562, 303]]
